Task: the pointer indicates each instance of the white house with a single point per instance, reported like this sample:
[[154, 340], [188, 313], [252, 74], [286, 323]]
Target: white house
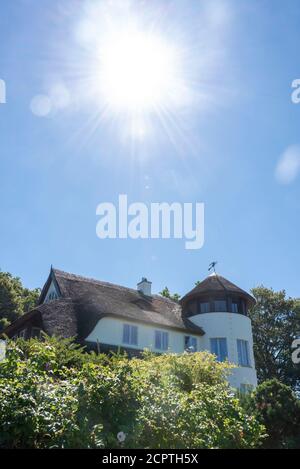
[[106, 317]]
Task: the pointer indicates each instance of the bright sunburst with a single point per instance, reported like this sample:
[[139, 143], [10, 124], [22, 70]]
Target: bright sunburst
[[137, 71]]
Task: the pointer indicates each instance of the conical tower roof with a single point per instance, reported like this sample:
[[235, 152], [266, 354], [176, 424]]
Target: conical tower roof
[[216, 284]]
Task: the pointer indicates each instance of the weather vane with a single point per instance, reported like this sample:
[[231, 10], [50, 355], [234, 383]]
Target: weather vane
[[212, 266]]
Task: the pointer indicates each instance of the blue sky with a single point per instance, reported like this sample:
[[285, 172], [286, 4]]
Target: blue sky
[[220, 147]]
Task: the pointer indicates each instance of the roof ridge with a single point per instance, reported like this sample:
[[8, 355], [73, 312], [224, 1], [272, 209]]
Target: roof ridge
[[72, 276], [220, 282]]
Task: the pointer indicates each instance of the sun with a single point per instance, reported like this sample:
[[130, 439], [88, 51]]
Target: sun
[[136, 71]]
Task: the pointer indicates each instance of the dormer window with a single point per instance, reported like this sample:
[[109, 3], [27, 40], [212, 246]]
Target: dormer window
[[52, 296]]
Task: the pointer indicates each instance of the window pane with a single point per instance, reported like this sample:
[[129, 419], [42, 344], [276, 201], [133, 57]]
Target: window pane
[[126, 334], [204, 307], [219, 348], [161, 340], [243, 352], [235, 307], [214, 346], [165, 341], [190, 343], [134, 335], [220, 306], [158, 340]]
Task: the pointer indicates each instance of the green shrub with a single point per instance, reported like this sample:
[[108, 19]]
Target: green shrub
[[278, 409], [54, 395]]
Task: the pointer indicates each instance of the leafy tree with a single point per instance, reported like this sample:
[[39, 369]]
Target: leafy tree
[[53, 395], [15, 300], [276, 323], [278, 409], [166, 293]]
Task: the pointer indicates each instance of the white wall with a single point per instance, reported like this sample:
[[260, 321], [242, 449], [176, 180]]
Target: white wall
[[232, 326], [110, 331]]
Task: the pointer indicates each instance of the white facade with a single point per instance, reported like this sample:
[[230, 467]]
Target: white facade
[[231, 331], [231, 326], [110, 331]]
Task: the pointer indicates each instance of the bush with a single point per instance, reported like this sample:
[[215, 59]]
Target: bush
[[278, 409], [54, 395]]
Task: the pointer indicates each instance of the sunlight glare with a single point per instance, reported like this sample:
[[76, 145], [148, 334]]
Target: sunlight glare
[[136, 71]]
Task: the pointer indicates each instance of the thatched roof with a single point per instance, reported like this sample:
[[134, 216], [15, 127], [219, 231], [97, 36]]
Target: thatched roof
[[215, 284], [83, 302]]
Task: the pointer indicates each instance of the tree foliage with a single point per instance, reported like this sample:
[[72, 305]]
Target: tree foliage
[[275, 323], [276, 406], [53, 395], [15, 300], [167, 294]]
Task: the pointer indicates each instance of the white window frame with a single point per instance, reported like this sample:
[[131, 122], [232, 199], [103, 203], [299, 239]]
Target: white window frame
[[132, 331], [243, 351], [161, 340], [218, 351]]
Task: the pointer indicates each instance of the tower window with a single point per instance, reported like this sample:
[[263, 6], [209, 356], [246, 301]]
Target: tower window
[[130, 334], [235, 307], [220, 306], [218, 347], [243, 352], [204, 307]]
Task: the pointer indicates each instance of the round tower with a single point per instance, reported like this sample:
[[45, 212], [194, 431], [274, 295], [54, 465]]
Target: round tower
[[221, 309]]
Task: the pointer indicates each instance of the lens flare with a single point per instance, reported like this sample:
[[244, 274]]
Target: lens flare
[[137, 71]]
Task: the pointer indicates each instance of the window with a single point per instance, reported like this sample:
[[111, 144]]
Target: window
[[192, 307], [35, 333], [161, 340], [235, 307], [52, 296], [190, 343], [243, 352], [130, 334], [219, 348], [246, 388], [22, 334], [204, 307], [220, 306]]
